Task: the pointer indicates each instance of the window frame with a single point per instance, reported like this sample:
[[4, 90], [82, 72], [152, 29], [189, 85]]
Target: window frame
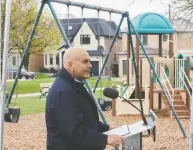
[[84, 39]]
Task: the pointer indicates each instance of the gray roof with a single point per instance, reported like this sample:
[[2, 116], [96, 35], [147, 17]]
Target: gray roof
[[112, 24], [75, 23], [100, 27], [99, 52], [149, 50]]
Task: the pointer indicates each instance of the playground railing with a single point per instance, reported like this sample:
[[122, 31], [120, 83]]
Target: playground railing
[[165, 81], [179, 63], [128, 90], [184, 78]]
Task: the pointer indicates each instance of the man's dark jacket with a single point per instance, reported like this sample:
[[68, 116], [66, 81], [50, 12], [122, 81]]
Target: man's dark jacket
[[72, 119]]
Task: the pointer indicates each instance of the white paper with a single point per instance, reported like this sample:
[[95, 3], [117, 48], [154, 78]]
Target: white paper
[[122, 130]]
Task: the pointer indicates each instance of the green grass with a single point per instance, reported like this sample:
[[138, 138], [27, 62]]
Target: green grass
[[33, 86], [28, 86], [29, 105], [42, 76], [103, 83], [33, 105]]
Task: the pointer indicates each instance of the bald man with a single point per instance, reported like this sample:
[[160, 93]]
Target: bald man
[[72, 119]]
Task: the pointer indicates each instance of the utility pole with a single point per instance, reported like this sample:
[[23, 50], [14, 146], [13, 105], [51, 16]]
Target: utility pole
[[169, 11], [4, 71], [0, 37]]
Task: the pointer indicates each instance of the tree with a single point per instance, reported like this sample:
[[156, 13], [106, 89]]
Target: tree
[[180, 12], [23, 14]]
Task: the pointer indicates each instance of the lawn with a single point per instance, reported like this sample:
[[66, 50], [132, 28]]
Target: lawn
[[29, 105], [42, 76], [33, 105], [33, 86], [28, 86]]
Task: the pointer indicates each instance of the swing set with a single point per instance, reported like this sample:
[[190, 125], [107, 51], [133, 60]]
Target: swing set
[[135, 132]]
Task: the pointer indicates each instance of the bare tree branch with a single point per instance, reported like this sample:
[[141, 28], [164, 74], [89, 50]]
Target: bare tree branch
[[181, 13]]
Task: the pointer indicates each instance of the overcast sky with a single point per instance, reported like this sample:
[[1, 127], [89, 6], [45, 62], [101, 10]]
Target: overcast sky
[[140, 6]]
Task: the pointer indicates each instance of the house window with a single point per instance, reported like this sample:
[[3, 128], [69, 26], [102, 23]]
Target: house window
[[133, 70], [124, 62], [84, 39], [14, 60], [165, 37], [51, 59], [140, 35], [45, 59], [57, 59], [145, 39], [69, 38], [69, 27]]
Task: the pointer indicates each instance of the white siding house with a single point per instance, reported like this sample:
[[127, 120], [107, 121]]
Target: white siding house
[[90, 34]]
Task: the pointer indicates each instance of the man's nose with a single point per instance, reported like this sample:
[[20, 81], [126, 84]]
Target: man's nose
[[90, 65]]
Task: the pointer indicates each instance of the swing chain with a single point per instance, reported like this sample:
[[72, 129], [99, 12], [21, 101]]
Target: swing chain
[[17, 89]]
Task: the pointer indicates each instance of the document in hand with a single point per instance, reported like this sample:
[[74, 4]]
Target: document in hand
[[122, 130]]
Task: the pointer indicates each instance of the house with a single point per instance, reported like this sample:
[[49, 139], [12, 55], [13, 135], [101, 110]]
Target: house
[[95, 35], [182, 43], [13, 62], [92, 34], [184, 37]]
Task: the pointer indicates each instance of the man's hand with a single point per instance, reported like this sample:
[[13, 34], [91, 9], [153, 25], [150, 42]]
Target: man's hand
[[115, 140], [113, 127]]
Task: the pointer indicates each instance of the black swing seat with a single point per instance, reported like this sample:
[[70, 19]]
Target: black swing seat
[[12, 115], [106, 105]]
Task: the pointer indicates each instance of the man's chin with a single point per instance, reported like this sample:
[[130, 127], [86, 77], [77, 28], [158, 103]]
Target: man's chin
[[87, 76]]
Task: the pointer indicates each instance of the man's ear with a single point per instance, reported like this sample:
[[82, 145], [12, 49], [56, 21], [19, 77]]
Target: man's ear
[[70, 64]]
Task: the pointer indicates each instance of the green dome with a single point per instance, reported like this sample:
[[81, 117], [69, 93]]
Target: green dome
[[152, 23]]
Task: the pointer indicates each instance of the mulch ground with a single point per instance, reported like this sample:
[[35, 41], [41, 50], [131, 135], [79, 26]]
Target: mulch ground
[[30, 132]]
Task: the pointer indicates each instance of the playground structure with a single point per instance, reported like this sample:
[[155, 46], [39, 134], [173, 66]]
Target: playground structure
[[174, 73], [145, 123]]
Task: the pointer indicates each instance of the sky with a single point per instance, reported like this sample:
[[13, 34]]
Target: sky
[[138, 7]]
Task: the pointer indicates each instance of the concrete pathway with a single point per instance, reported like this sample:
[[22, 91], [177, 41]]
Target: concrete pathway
[[27, 95], [37, 94]]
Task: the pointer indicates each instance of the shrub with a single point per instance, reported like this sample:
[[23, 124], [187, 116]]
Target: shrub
[[44, 70], [53, 70]]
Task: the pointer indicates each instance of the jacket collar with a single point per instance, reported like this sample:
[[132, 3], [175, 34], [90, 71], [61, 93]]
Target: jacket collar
[[66, 75], [79, 86]]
